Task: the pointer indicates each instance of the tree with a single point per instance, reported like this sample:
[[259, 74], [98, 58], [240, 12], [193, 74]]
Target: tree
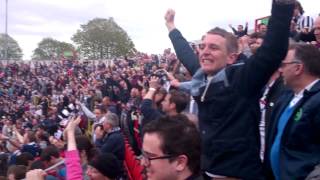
[[102, 39], [51, 49], [14, 51]]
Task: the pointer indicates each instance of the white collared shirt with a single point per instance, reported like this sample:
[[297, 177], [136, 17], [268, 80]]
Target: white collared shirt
[[298, 97]]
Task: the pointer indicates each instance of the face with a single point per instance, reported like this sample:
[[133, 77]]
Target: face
[[317, 29], [213, 54], [106, 101], [94, 174], [18, 124], [56, 142], [263, 28], [166, 104], [296, 11], [134, 92], [98, 113], [240, 28], [106, 126], [254, 45], [158, 169], [288, 69], [158, 97]]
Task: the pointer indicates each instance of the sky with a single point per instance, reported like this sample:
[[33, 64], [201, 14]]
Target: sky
[[29, 21]]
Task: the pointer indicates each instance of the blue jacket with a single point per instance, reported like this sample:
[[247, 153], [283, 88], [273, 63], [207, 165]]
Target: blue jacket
[[300, 142], [229, 111], [112, 143]]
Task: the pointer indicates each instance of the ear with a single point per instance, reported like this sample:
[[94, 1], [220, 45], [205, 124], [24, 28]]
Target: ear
[[299, 69], [182, 163], [232, 57]]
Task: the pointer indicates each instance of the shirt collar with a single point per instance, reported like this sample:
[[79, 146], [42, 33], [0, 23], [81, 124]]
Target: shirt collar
[[308, 87]]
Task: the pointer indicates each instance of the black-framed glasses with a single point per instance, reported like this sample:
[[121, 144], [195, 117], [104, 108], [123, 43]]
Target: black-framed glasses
[[147, 160], [292, 62]]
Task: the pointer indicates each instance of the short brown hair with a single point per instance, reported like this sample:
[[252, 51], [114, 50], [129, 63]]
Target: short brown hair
[[309, 55], [231, 40], [180, 99]]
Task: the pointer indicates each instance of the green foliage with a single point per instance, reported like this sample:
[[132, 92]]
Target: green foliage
[[51, 49], [102, 39], [14, 51]]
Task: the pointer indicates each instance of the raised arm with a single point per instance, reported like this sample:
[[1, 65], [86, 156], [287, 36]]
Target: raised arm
[[181, 46], [74, 169], [233, 29], [259, 67]]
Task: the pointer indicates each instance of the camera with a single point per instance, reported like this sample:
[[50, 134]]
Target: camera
[[68, 113], [162, 75]]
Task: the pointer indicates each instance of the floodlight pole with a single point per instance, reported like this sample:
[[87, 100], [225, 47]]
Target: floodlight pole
[[6, 34]]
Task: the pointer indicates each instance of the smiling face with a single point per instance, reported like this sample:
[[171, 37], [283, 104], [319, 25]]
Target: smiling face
[[158, 169], [213, 54]]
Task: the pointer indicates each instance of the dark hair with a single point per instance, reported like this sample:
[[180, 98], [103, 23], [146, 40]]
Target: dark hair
[[257, 35], [48, 152], [178, 136], [231, 40], [37, 164], [180, 99], [309, 55], [19, 171], [24, 158], [107, 164], [102, 108], [299, 6], [84, 144], [164, 93]]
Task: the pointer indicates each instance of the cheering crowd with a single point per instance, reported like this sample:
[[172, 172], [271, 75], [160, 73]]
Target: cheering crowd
[[234, 106]]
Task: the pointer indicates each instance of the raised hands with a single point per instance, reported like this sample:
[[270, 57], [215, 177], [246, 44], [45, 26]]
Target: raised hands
[[169, 17], [73, 124], [69, 133], [154, 82], [173, 81]]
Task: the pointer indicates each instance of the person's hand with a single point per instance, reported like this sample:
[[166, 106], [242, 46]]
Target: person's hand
[[14, 128], [78, 102], [170, 76], [3, 137], [154, 82], [99, 132], [175, 83], [73, 124], [247, 24], [36, 174], [169, 17], [313, 42], [230, 25]]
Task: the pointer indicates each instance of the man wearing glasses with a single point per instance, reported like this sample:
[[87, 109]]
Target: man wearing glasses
[[292, 144], [171, 149]]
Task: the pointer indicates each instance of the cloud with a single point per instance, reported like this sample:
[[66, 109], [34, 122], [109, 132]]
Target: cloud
[[32, 20]]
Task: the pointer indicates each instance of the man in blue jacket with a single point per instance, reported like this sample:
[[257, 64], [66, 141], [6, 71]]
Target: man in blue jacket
[[293, 145], [227, 95]]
